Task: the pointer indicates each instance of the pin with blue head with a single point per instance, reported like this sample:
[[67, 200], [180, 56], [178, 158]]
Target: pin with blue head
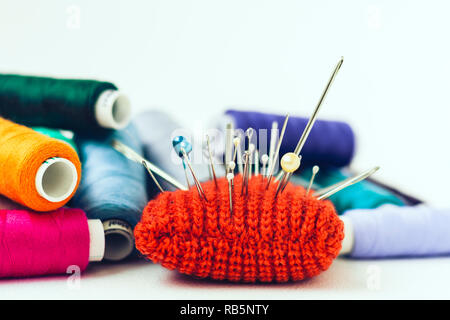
[[179, 144], [183, 147]]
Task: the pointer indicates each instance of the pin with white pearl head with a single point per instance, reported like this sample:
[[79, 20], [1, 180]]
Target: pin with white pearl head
[[200, 191], [276, 152], [249, 133], [329, 191], [290, 162], [211, 162], [264, 160], [315, 169], [152, 176], [231, 166], [312, 120]]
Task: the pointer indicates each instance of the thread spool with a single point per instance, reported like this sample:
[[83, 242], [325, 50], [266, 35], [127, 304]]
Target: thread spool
[[112, 189], [80, 105], [363, 195], [156, 130], [41, 244], [289, 238], [392, 231], [120, 239], [37, 171], [330, 143]]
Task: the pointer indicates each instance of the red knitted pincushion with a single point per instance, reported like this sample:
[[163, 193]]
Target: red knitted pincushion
[[292, 237]]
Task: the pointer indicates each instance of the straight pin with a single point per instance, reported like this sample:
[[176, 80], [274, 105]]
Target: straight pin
[[251, 150], [186, 175], [273, 142], [228, 142], [280, 184], [344, 184], [279, 175], [200, 191], [264, 160], [256, 162], [312, 120], [244, 178], [236, 143], [230, 177], [315, 169], [211, 160], [277, 150], [239, 155]]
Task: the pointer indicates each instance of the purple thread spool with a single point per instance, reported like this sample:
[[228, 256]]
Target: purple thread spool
[[330, 143]]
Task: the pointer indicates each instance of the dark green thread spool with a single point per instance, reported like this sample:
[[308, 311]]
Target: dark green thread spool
[[77, 105]]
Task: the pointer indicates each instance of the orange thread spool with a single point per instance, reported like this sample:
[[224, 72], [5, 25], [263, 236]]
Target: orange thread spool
[[266, 239], [23, 152]]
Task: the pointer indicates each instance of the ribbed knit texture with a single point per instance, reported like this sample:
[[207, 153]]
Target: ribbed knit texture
[[289, 238]]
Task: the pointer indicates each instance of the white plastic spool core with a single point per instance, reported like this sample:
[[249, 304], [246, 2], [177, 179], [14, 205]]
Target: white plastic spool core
[[56, 179], [349, 237], [119, 239], [113, 110], [97, 240]]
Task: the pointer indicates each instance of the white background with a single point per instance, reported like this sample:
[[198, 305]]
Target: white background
[[195, 58]]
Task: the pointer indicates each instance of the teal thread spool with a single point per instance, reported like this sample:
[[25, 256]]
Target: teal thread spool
[[58, 134], [362, 195], [71, 104]]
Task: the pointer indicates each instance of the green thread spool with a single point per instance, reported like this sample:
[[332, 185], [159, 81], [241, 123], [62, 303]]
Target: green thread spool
[[66, 136], [72, 104], [362, 195]]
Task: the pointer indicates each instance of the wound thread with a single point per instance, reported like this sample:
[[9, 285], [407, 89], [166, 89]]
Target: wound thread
[[72, 104], [22, 153], [112, 186], [34, 244]]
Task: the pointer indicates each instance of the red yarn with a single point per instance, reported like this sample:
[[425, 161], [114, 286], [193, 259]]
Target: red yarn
[[292, 237]]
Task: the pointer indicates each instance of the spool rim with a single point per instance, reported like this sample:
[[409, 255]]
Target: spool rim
[[119, 240], [56, 179], [113, 110], [97, 240]]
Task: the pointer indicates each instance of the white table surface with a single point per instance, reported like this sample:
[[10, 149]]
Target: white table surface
[[345, 279], [195, 58]]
